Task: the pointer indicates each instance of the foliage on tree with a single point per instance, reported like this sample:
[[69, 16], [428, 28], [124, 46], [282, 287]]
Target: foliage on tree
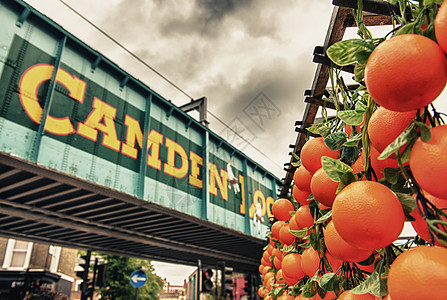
[[118, 285]]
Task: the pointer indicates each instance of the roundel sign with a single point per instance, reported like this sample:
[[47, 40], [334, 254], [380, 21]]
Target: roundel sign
[[138, 278]]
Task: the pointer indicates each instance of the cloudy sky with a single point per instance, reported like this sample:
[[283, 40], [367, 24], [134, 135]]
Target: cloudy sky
[[251, 59], [239, 54]]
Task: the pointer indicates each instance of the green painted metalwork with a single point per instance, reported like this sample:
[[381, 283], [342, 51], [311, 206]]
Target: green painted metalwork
[[48, 100], [120, 134], [143, 158]]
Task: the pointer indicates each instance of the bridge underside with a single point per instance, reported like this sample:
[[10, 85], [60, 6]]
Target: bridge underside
[[44, 205]]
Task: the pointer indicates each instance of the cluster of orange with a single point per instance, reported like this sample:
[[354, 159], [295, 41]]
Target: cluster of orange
[[325, 231]]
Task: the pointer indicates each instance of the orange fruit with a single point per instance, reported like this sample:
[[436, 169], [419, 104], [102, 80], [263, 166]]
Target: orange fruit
[[293, 225], [291, 266], [386, 125], [261, 268], [346, 295], [266, 263], [300, 196], [310, 261], [420, 225], [265, 270], [341, 249], [323, 188], [289, 280], [368, 215], [274, 229], [419, 273], [285, 296], [303, 217], [329, 296], [441, 26], [262, 291], [428, 162], [277, 263], [266, 255], [406, 72], [268, 276], [312, 152], [302, 178], [278, 253], [322, 206], [376, 164], [285, 237], [281, 209], [279, 277], [270, 249], [269, 283]]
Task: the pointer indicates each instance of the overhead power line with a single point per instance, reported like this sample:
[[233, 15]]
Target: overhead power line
[[161, 75]]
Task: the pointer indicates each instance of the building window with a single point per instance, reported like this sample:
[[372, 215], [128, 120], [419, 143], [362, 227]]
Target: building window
[[18, 254], [55, 253]]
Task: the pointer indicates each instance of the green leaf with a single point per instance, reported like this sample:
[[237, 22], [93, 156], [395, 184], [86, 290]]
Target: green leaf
[[315, 128], [360, 107], [406, 29], [324, 131], [345, 52], [353, 140], [429, 2], [335, 140], [407, 201], [334, 168], [329, 281], [299, 233], [371, 283], [351, 117], [425, 131], [391, 175], [296, 164], [324, 218], [345, 179], [349, 155], [314, 239], [359, 72], [401, 140], [310, 288], [305, 245], [362, 57], [276, 292]]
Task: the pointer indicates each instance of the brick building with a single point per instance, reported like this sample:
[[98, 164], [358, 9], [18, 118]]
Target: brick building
[[32, 264]]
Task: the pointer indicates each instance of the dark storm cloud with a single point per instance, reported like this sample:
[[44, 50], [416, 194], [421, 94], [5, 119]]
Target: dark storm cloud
[[208, 17]]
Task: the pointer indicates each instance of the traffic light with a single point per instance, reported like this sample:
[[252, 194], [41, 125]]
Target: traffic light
[[207, 283], [85, 265], [101, 276], [227, 280], [249, 286], [86, 289]]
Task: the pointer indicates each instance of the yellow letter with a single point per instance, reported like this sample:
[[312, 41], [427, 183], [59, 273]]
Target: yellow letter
[[257, 195], [29, 86], [133, 133], [153, 144], [196, 161], [222, 183], [242, 206], [101, 112], [269, 206], [169, 167]]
